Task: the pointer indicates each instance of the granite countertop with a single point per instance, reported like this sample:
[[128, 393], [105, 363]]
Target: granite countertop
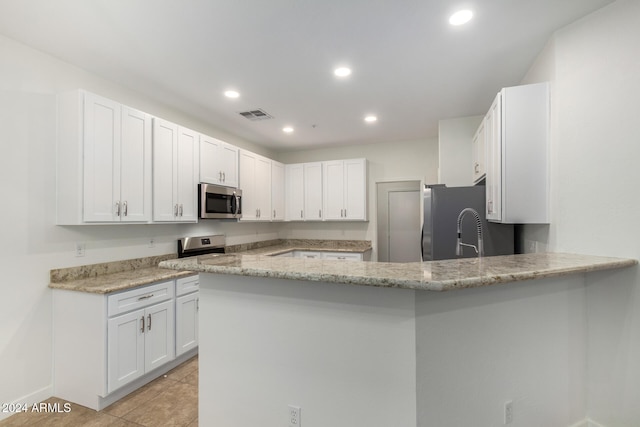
[[116, 276], [431, 276]]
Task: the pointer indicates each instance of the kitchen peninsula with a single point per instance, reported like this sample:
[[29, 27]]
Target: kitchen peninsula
[[395, 349]]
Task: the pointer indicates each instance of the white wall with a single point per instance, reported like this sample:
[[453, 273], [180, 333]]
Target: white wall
[[521, 342], [31, 244], [405, 160], [455, 150], [594, 67]]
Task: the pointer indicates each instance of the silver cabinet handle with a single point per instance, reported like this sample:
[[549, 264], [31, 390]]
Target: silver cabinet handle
[[220, 176], [345, 213], [475, 168], [149, 326], [180, 209], [142, 327], [319, 213], [224, 177], [145, 297], [125, 208], [274, 213], [301, 214], [341, 213], [118, 208], [175, 210]]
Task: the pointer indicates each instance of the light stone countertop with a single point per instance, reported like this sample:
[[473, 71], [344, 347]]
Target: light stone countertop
[[104, 278], [431, 276]]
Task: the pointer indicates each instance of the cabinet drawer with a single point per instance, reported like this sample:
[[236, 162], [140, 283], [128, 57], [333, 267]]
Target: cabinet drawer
[[187, 285], [140, 297], [342, 256]]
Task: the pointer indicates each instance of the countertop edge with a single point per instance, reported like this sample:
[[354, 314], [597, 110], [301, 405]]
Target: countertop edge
[[592, 264]]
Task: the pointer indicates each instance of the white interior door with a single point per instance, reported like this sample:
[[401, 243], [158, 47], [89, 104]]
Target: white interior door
[[399, 221]]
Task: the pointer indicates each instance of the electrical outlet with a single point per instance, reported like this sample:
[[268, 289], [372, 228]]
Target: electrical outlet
[[294, 416], [80, 248], [508, 412]]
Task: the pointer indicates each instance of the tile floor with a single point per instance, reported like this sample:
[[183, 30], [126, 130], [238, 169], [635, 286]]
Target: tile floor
[[171, 400]]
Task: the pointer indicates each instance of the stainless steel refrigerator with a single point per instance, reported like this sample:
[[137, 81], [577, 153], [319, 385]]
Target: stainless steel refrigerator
[[442, 205]]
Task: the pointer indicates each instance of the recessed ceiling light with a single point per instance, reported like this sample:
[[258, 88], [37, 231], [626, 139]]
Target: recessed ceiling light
[[287, 129], [342, 72], [370, 119], [460, 17], [231, 94]]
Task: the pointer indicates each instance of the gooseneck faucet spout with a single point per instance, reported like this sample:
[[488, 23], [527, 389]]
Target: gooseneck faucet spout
[[480, 248]]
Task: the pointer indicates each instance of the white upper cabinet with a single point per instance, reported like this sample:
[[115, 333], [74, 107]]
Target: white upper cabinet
[[345, 190], [277, 191], [218, 162], [103, 161], [175, 172], [294, 192], [517, 155], [313, 191], [255, 183]]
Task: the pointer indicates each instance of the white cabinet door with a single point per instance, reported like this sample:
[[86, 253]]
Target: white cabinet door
[[125, 359], [247, 184], [313, 191], [159, 344], [493, 132], [255, 182], [333, 188], [355, 189], [277, 191], [294, 194], [478, 143], [210, 171], [101, 153], [218, 162], [228, 155], [187, 175], [175, 172], [345, 190], [263, 187], [165, 137], [135, 166], [187, 322]]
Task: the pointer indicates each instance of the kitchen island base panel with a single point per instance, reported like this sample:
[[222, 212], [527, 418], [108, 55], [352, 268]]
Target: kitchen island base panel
[[338, 352], [368, 356]]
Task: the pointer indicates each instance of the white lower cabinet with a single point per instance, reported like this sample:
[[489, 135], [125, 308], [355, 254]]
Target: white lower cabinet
[[108, 345], [138, 342], [187, 307]]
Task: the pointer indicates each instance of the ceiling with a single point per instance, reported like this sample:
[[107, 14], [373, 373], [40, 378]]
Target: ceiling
[[410, 67]]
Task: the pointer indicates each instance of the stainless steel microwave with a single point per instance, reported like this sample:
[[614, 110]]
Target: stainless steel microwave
[[217, 202]]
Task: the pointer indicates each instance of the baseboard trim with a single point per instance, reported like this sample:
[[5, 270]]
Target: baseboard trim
[[30, 400]]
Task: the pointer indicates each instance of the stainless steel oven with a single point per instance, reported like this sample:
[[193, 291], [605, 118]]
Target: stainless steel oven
[[217, 202]]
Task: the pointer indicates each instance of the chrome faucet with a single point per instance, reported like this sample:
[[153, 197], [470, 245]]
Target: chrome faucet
[[480, 248]]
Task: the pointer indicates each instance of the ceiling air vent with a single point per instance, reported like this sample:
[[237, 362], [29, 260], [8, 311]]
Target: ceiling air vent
[[255, 115]]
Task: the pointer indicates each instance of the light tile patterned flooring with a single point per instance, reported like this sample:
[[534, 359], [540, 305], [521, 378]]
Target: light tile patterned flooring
[[171, 400]]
